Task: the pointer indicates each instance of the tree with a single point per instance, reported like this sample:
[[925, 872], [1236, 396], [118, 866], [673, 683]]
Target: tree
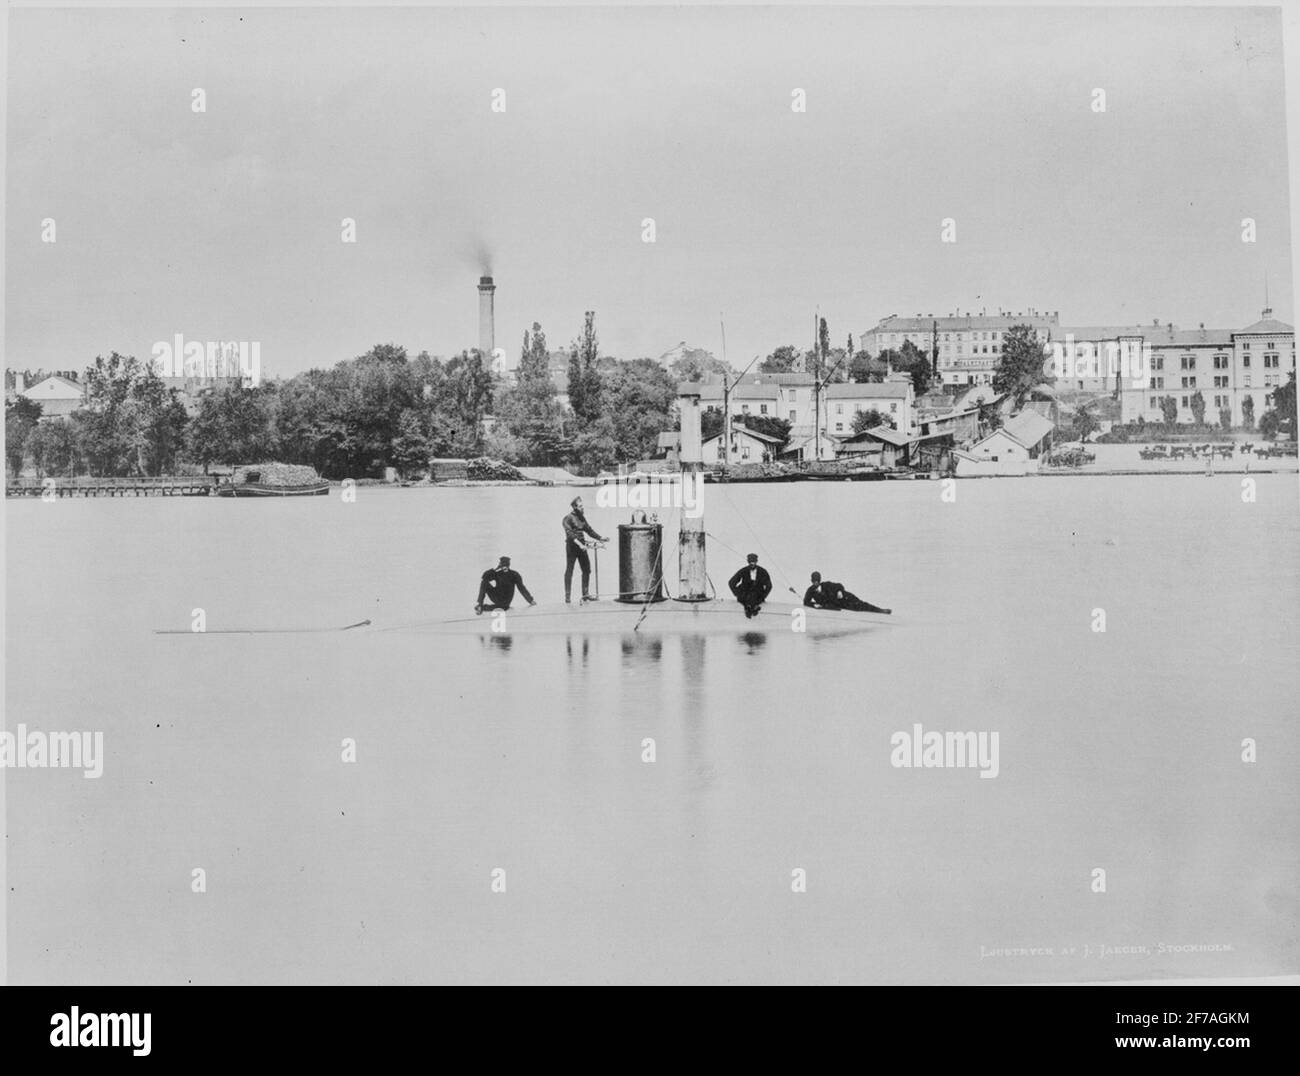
[[989, 416], [595, 447], [1198, 408], [234, 425], [1021, 366], [911, 360], [105, 423], [584, 377], [158, 421], [697, 364], [469, 397], [782, 361], [411, 453], [766, 424], [1085, 422], [638, 398], [1269, 423], [823, 347], [21, 418], [1284, 405], [530, 411], [1225, 417], [835, 369], [1169, 410], [1248, 412], [863, 368], [869, 420], [53, 448]]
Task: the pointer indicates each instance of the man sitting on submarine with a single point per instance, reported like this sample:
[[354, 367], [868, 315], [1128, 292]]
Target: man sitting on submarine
[[751, 585], [833, 596], [497, 588]]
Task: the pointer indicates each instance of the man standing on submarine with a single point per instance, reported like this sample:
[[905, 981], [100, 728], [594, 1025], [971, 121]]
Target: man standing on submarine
[[575, 550]]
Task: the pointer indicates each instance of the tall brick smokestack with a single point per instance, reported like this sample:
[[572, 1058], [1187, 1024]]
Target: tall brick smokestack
[[486, 317]]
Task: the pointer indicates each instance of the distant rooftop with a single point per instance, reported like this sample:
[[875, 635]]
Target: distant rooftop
[[1266, 326]]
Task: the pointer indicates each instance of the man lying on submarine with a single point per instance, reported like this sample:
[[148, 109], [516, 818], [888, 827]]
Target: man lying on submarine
[[827, 595]]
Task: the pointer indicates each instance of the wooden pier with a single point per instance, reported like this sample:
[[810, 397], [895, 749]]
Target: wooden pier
[[162, 486]]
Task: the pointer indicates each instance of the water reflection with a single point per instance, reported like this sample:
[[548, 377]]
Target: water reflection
[[754, 641], [639, 648], [581, 650], [497, 641]]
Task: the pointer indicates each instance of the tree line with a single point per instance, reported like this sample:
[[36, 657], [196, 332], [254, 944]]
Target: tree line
[[381, 409], [386, 409]]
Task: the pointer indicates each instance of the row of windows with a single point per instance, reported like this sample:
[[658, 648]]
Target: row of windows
[[917, 338], [1220, 381], [839, 409], [1188, 362], [1219, 401]]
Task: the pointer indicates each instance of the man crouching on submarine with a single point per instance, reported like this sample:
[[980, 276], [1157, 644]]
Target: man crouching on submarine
[[497, 588], [751, 585]]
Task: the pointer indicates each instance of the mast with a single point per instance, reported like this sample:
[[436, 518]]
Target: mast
[[817, 394], [692, 581], [726, 398]]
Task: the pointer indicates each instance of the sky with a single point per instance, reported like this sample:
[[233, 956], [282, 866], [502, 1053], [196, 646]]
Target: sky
[[226, 225]]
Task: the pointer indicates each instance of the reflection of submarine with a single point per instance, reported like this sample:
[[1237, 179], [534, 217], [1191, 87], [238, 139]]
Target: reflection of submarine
[[668, 617], [641, 604]]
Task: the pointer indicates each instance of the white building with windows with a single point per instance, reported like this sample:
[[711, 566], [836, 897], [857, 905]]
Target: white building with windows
[[1225, 366], [747, 446], [792, 397], [970, 346]]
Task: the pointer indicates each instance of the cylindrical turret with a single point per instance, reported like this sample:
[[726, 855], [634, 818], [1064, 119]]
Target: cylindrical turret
[[640, 560]]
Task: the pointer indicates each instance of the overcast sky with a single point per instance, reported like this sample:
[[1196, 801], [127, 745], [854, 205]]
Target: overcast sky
[[226, 225]]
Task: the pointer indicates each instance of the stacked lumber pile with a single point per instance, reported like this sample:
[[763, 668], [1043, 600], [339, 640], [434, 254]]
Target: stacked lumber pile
[[484, 469], [277, 474], [751, 471]]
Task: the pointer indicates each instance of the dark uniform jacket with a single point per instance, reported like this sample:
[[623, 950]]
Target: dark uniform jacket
[[498, 587], [751, 584], [575, 526], [824, 595]]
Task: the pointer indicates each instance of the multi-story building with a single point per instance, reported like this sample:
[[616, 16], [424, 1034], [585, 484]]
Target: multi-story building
[[792, 397], [1225, 366], [1099, 341], [970, 346], [1263, 360]]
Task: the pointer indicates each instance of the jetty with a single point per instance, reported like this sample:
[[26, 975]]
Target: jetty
[[145, 486]]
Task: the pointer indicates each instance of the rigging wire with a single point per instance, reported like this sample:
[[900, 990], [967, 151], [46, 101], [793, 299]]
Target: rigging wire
[[767, 555]]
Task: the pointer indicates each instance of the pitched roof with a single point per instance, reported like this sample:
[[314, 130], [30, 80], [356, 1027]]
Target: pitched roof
[[1268, 325], [1028, 427], [54, 387], [886, 434], [879, 390], [1085, 333], [794, 378], [737, 428], [1152, 334], [958, 324], [743, 391]]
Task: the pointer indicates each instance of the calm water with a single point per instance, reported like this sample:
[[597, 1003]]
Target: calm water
[[1117, 750]]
